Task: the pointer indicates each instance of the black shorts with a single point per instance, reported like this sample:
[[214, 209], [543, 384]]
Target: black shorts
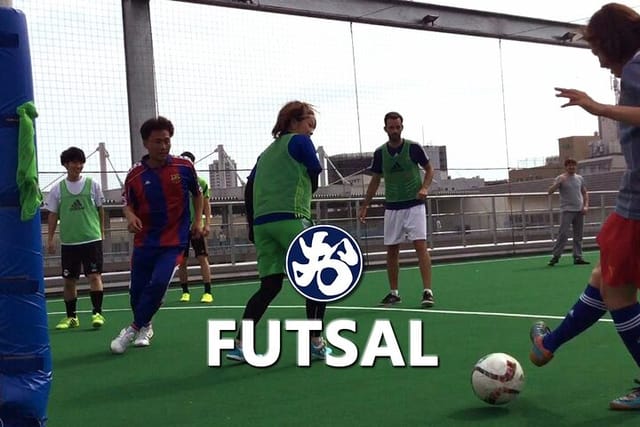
[[199, 246], [87, 255]]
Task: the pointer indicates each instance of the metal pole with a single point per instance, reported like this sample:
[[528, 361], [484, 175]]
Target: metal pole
[[102, 151]]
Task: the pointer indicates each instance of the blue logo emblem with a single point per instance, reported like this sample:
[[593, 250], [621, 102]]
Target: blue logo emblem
[[324, 263]]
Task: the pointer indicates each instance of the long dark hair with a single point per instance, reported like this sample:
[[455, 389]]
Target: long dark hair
[[293, 110], [614, 31]]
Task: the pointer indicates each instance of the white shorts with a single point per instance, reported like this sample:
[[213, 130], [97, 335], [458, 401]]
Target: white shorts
[[405, 225]]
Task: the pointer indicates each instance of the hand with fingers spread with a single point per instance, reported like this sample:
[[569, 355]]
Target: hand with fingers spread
[[579, 98]]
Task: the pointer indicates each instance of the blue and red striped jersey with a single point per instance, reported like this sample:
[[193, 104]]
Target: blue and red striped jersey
[[160, 198]]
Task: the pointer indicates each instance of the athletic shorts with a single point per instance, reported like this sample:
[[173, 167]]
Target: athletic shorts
[[199, 246], [619, 242], [405, 224], [87, 255], [272, 241]]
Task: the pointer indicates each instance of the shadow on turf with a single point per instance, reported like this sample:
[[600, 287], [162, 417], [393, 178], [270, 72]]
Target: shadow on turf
[[96, 358], [479, 414], [539, 416], [200, 381]]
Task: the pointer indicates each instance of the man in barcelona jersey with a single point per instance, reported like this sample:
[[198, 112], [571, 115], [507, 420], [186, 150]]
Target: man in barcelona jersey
[[156, 206]]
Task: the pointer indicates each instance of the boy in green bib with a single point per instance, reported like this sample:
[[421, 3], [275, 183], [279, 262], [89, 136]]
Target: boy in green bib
[[77, 203]]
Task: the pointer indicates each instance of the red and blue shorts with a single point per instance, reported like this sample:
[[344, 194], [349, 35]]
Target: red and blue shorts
[[619, 241]]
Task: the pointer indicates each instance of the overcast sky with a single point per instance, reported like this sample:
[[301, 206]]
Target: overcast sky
[[222, 74]]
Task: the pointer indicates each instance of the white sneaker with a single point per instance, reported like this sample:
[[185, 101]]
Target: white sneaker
[[121, 342], [143, 339]]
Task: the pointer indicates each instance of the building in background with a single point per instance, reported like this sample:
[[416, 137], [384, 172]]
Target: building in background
[[223, 172]]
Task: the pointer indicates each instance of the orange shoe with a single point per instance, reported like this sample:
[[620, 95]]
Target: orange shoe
[[539, 355]]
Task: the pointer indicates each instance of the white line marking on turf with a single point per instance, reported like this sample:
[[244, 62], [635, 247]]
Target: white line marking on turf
[[174, 287], [382, 309]]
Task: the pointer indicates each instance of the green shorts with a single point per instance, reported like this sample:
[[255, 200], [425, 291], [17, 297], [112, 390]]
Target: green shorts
[[272, 241]]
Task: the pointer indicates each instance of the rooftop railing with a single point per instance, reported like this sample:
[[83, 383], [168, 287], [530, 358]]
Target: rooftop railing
[[459, 226]]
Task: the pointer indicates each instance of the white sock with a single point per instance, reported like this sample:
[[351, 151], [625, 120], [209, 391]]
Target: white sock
[[394, 292]]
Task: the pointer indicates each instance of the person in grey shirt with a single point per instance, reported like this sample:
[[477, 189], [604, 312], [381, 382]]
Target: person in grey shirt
[[574, 203]]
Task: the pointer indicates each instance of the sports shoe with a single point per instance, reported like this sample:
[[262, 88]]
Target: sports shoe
[[539, 355], [143, 339], [580, 261], [97, 320], [236, 354], [68, 323], [628, 402], [320, 351], [186, 297], [207, 298], [553, 261], [427, 298], [390, 299], [123, 340]]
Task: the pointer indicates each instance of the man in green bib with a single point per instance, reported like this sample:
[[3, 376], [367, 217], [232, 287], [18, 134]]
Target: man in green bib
[[199, 244], [405, 217], [77, 203]]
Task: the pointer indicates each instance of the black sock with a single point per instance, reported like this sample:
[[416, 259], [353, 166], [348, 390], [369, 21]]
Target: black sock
[[185, 288], [270, 286], [207, 288], [96, 301], [315, 311], [71, 307]]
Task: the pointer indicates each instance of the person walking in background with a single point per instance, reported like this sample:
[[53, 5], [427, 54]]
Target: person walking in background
[[574, 203], [77, 202], [199, 245], [613, 33], [156, 207], [278, 205], [405, 213]]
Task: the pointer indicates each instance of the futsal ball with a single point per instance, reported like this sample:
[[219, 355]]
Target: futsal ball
[[497, 378]]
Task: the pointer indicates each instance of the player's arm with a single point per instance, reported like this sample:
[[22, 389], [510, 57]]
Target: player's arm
[[52, 224], [99, 202], [102, 216], [134, 224], [585, 198], [301, 148], [621, 113], [426, 182], [371, 189], [206, 208], [197, 200], [556, 184], [196, 227], [248, 202], [376, 170], [371, 192], [420, 157], [52, 204]]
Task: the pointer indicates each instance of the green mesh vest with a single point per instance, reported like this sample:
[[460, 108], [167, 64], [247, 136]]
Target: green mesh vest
[[402, 179], [206, 194], [281, 183], [79, 216]]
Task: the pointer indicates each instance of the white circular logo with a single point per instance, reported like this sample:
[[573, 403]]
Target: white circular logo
[[324, 263]]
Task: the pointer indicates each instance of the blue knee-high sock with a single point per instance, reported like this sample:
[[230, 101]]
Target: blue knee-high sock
[[586, 311], [627, 321]]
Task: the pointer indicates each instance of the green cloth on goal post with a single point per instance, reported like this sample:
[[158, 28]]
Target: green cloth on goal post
[[27, 172]]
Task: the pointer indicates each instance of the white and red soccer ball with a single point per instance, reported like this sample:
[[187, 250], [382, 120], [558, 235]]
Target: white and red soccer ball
[[497, 378]]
